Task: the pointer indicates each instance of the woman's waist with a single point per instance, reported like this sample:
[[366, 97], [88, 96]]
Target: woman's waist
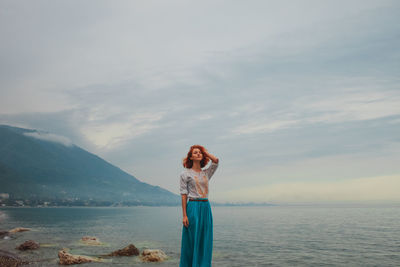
[[198, 199]]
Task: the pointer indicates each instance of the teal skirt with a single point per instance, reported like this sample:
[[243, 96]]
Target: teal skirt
[[197, 238]]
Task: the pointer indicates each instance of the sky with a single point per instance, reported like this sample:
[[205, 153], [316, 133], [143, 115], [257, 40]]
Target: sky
[[299, 100]]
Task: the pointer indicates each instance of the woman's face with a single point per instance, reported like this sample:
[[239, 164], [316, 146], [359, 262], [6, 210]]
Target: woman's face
[[196, 154]]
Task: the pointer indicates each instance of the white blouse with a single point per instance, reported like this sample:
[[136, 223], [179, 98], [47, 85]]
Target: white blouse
[[195, 184]]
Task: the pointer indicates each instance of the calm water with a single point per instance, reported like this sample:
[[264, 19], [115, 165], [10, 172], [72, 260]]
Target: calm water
[[243, 236]]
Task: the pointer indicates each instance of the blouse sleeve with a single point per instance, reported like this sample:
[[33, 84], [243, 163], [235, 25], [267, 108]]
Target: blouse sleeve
[[211, 169], [183, 184]]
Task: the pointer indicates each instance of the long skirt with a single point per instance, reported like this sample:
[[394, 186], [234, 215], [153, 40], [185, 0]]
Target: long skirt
[[197, 238]]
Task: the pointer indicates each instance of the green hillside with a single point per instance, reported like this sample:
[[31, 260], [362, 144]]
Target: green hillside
[[37, 170]]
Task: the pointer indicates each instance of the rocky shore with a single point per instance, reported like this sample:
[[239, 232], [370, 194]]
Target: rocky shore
[[10, 259]]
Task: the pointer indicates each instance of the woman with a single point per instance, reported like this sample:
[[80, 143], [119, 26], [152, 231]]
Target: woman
[[197, 230]]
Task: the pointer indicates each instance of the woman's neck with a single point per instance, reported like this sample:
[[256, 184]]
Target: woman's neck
[[196, 166]]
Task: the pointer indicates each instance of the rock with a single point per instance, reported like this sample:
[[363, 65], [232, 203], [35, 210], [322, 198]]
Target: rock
[[151, 255], [66, 258], [130, 250], [91, 240], [19, 229], [30, 244], [8, 259], [3, 234]]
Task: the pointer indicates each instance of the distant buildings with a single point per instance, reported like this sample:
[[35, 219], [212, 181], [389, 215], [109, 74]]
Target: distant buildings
[[4, 196], [20, 202]]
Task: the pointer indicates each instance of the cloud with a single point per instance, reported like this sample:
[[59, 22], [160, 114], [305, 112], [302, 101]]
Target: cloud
[[262, 127], [340, 102], [108, 134], [363, 104], [50, 138]]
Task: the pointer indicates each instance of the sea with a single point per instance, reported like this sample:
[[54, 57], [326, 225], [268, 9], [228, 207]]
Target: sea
[[300, 235]]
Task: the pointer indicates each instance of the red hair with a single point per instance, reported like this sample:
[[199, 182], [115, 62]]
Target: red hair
[[188, 163]]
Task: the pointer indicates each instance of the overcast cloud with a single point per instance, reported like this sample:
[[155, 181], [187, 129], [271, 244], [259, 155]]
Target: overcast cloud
[[295, 97]]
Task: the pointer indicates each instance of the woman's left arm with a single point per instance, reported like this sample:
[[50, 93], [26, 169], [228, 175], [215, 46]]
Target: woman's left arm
[[213, 167]]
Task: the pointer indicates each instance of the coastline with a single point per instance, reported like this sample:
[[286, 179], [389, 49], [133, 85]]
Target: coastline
[[60, 242]]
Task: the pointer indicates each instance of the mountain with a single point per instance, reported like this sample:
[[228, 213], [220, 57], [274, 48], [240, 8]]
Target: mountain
[[38, 167]]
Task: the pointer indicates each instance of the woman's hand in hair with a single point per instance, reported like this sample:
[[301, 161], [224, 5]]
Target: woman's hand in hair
[[210, 156]]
